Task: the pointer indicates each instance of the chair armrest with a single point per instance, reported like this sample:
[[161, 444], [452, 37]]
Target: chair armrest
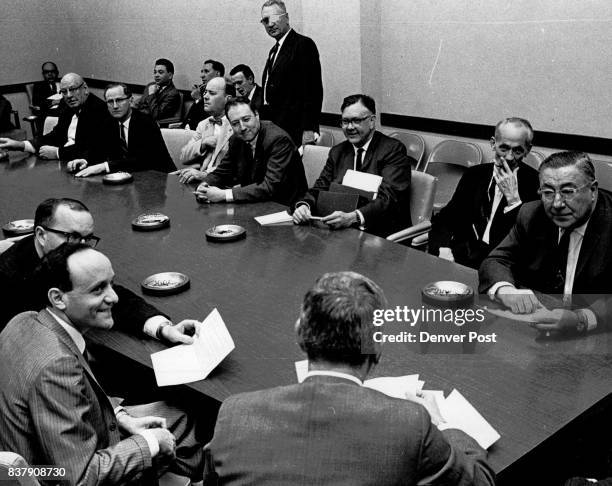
[[411, 232], [165, 122]]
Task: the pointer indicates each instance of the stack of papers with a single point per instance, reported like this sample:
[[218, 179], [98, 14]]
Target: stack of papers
[[274, 218], [362, 180], [456, 411], [193, 362]]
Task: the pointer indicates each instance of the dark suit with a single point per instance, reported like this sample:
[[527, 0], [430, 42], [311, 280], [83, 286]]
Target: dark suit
[[194, 116], [329, 430], [294, 91], [89, 145], [386, 157], [146, 149], [40, 92], [457, 225], [162, 104], [5, 115], [276, 172], [257, 98], [525, 258]]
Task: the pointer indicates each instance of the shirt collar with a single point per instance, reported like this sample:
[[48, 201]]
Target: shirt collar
[[126, 123], [335, 374], [282, 40], [75, 335], [364, 146], [579, 229]]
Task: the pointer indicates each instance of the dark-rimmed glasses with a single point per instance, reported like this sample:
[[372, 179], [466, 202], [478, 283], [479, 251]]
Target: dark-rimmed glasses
[[89, 240]]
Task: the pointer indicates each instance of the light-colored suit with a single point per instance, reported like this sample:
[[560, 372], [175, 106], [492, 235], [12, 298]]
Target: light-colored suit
[[210, 158]]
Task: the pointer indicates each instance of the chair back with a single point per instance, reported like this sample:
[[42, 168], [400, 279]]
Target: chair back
[[326, 138], [422, 196], [534, 159], [415, 145], [49, 124], [13, 460], [175, 139], [314, 159], [603, 174]]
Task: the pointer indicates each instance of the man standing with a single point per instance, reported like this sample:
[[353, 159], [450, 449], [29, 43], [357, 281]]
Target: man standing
[[559, 245], [210, 69], [161, 99], [487, 199], [244, 82], [366, 150], [330, 429], [77, 133], [293, 90], [54, 411], [210, 142], [133, 140], [261, 162]]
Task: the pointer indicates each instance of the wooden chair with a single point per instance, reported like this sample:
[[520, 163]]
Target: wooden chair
[[175, 140], [415, 145], [314, 159], [326, 138]]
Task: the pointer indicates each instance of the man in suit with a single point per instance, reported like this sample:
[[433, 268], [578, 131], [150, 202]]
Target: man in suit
[[77, 133], [261, 162], [292, 86], [161, 99], [244, 82], [209, 144], [41, 104], [133, 140], [330, 429], [54, 411], [365, 150], [487, 199], [559, 245], [210, 69]]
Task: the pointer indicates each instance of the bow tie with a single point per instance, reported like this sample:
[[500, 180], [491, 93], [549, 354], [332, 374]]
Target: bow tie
[[214, 121]]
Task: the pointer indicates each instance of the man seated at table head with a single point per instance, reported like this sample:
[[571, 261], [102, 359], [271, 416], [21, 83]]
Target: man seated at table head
[[76, 134], [209, 144], [366, 150], [244, 82], [160, 99], [210, 69], [57, 221], [330, 429], [558, 245], [42, 90], [261, 163], [54, 411], [487, 199], [133, 140]]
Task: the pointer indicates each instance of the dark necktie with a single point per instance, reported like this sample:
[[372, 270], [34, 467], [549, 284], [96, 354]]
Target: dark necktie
[[560, 262], [272, 55], [124, 147], [53, 88], [359, 161]]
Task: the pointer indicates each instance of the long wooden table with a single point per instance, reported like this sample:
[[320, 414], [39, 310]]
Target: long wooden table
[[531, 389]]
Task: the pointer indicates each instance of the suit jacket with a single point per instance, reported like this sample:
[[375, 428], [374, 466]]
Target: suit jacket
[[161, 104], [194, 116], [276, 172], [329, 430], [5, 115], [209, 160], [257, 99], [88, 143], [525, 258], [387, 157], [460, 225], [40, 92], [294, 91], [18, 290], [54, 412], [146, 147]]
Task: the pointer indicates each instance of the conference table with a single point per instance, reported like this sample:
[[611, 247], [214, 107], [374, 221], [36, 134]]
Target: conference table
[[534, 390]]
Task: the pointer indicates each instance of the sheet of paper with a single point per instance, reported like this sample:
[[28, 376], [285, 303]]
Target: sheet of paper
[[193, 362], [274, 218], [301, 368], [395, 386], [55, 96], [533, 317], [460, 414], [362, 180]]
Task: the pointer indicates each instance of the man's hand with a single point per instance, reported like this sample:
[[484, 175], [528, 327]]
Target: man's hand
[[340, 219], [209, 142], [134, 425], [308, 137], [519, 301], [189, 174], [167, 444], [301, 215], [181, 332], [195, 93], [48, 152], [153, 88], [76, 164], [556, 320], [427, 399], [507, 183], [446, 253], [10, 144], [93, 170], [211, 194]]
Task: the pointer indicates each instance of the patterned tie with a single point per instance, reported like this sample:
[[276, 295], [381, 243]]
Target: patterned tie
[[359, 160], [215, 121], [123, 145], [560, 262]]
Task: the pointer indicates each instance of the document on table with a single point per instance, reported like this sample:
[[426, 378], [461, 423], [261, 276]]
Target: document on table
[[193, 362], [274, 218], [362, 180]]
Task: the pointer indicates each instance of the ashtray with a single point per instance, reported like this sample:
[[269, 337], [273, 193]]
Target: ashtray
[[117, 178], [150, 222], [448, 293], [225, 233], [165, 283], [19, 227]]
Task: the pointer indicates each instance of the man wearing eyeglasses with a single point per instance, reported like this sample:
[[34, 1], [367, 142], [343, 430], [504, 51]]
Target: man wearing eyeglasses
[[76, 134], [365, 150], [133, 140], [487, 198], [43, 90], [559, 245], [293, 90]]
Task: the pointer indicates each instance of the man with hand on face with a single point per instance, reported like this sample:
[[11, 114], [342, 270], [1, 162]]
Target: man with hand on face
[[161, 99], [53, 409], [559, 245], [261, 162], [209, 144], [77, 133], [210, 69], [133, 140], [487, 199], [244, 82], [366, 150]]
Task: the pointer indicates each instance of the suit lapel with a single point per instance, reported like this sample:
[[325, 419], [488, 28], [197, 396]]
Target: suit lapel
[[369, 155], [590, 241]]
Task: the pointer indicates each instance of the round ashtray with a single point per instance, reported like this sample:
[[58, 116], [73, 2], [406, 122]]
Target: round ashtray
[[447, 293], [19, 227], [225, 233], [150, 222], [117, 178], [165, 283]]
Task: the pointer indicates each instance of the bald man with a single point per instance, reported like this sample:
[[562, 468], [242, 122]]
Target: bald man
[[76, 133]]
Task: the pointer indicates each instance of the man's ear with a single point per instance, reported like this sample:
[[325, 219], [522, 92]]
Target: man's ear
[[40, 235], [56, 298], [492, 142]]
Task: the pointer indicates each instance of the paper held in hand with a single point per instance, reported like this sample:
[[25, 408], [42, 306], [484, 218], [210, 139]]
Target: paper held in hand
[[193, 362], [362, 180]]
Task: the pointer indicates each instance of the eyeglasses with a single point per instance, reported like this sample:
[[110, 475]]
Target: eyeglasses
[[345, 122], [516, 151], [65, 91], [272, 19], [89, 240], [566, 194], [116, 101]]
